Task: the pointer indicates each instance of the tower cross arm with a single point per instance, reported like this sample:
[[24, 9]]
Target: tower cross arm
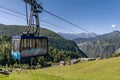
[[30, 1]]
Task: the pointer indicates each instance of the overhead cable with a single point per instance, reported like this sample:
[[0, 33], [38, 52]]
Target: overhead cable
[[66, 21]]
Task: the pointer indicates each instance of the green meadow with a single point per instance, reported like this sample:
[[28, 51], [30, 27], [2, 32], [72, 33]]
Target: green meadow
[[106, 69]]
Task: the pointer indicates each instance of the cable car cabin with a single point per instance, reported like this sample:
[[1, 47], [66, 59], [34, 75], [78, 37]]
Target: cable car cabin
[[29, 46]]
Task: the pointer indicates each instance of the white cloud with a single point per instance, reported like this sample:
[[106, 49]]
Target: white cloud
[[113, 26]]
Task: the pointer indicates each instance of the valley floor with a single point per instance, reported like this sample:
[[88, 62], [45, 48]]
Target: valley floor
[[106, 69]]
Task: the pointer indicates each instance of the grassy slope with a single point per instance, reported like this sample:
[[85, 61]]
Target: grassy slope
[[107, 69]]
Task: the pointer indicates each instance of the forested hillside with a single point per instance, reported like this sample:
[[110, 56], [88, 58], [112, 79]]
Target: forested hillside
[[59, 48]]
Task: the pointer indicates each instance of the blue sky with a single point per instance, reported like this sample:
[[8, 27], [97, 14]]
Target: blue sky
[[98, 16]]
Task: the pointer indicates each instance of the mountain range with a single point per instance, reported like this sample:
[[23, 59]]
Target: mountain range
[[95, 46], [71, 36], [101, 46]]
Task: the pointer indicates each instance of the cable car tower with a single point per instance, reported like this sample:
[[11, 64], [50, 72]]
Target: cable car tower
[[30, 43]]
